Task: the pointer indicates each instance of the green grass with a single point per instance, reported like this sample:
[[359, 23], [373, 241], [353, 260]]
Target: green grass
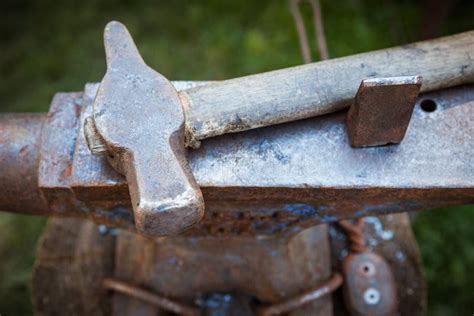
[[18, 235], [48, 46], [446, 239]]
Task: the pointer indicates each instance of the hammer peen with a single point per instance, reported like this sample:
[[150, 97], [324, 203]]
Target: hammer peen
[[143, 125]]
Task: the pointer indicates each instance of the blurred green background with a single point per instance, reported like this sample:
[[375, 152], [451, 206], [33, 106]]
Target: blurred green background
[[49, 46]]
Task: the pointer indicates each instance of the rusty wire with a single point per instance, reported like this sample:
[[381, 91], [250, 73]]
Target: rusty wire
[[149, 297], [355, 233], [318, 30], [328, 287], [161, 302]]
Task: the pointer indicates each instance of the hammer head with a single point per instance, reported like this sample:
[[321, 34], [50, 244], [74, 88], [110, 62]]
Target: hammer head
[[139, 120]]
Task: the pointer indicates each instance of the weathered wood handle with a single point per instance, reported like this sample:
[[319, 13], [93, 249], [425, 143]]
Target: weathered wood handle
[[319, 88]]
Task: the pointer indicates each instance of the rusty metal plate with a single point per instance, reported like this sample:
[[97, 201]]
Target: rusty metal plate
[[369, 287], [382, 110], [391, 237]]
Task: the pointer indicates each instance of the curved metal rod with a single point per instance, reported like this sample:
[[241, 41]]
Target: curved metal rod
[[150, 298], [328, 287]]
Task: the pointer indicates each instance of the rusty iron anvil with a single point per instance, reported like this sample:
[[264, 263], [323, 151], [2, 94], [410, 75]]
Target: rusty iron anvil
[[142, 124], [280, 178]]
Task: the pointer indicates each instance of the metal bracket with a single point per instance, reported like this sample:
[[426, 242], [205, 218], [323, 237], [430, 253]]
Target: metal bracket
[[369, 287]]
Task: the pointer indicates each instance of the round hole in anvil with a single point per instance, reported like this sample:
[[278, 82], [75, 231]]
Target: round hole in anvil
[[428, 105]]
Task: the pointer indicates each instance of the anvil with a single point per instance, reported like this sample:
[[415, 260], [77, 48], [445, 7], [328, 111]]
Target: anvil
[[280, 178]]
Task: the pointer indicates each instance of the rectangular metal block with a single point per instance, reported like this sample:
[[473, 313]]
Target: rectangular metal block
[[382, 110]]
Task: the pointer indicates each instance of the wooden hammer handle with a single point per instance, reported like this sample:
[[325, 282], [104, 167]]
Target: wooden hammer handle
[[319, 88]]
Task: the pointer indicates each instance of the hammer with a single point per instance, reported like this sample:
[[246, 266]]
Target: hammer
[[143, 125]]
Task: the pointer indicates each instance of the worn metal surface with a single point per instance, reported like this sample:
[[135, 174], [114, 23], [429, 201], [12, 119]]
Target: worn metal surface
[[55, 172], [72, 258], [382, 110], [138, 115], [72, 270], [58, 139], [305, 172], [208, 273], [275, 179], [185, 268], [19, 159], [369, 286], [229, 304]]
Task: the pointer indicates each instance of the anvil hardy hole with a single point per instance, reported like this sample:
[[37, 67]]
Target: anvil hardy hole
[[428, 105]]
